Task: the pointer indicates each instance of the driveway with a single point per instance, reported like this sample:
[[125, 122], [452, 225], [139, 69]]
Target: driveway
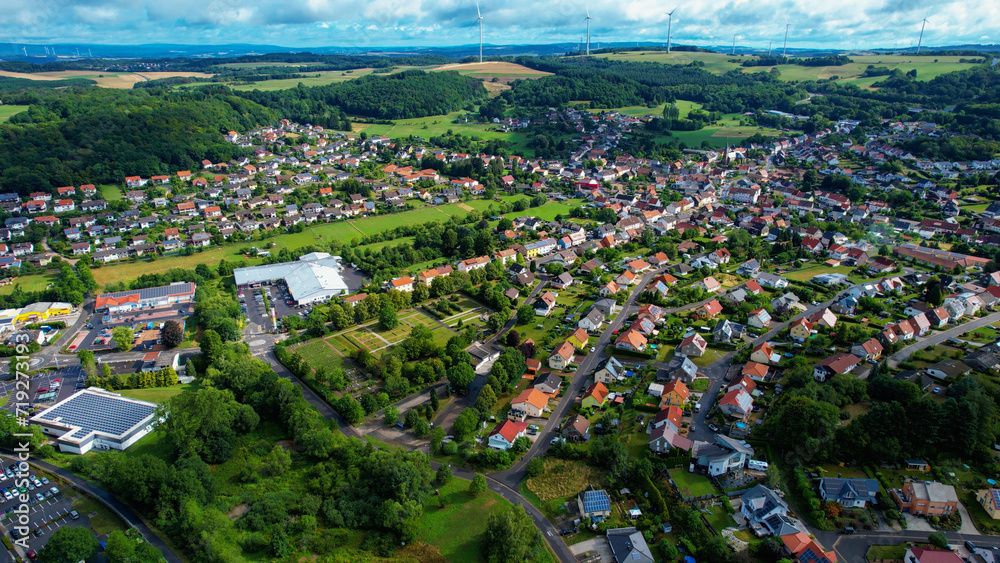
[[598, 544]]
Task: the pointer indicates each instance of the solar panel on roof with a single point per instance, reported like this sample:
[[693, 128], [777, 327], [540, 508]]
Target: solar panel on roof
[[996, 497], [97, 413], [596, 501]]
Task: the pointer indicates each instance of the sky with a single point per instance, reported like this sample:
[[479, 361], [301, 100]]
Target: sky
[[840, 24]]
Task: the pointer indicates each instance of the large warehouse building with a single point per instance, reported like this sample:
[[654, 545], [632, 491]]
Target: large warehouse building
[[177, 292], [312, 278], [96, 419]]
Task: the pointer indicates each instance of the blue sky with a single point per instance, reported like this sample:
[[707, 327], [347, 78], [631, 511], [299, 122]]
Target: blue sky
[[303, 23]]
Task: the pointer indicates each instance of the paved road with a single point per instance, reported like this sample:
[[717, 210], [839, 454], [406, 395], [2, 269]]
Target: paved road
[[120, 508], [853, 548], [939, 337]]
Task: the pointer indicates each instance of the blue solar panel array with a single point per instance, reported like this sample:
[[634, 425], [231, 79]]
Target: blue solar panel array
[[92, 412], [596, 501], [996, 497]]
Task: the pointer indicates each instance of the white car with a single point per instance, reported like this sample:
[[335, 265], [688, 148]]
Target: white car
[[593, 349], [7, 495], [55, 490]]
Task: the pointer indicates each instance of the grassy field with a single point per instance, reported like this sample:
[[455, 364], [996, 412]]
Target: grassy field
[[7, 111], [547, 212], [563, 479], [719, 519], [719, 63], [321, 78], [131, 270], [446, 522], [809, 273], [439, 125], [37, 282], [690, 484], [320, 354], [111, 193], [159, 394]]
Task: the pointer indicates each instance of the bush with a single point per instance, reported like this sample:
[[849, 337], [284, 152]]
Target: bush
[[937, 539]]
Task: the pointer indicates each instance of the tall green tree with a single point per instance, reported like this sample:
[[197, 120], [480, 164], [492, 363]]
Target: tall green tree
[[69, 544]]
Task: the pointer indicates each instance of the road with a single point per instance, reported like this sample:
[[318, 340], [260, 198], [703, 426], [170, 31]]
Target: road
[[853, 548], [939, 337]]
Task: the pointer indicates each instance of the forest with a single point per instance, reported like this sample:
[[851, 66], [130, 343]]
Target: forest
[[408, 94], [99, 136]]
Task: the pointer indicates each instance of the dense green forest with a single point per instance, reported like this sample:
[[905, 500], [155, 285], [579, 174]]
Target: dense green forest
[[90, 135], [408, 94]]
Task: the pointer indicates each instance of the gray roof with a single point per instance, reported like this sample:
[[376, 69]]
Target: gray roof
[[628, 546], [837, 488]]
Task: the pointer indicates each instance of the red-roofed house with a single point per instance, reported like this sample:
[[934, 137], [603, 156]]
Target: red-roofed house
[[675, 394], [631, 340], [737, 403], [531, 402], [595, 396], [920, 555], [561, 356], [502, 437], [708, 310]]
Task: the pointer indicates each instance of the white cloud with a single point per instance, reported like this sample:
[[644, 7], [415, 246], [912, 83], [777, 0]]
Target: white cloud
[[445, 22]]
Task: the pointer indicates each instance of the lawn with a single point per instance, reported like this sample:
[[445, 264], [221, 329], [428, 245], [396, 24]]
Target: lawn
[[546, 212], [36, 282], [152, 444], [691, 484], [159, 394], [808, 274], [846, 471], [885, 552], [450, 527], [127, 271], [984, 335], [319, 353], [718, 518], [710, 357], [103, 520], [7, 111], [111, 193]]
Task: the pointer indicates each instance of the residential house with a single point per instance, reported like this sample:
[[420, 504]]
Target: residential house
[[921, 555], [576, 429], [800, 330], [504, 434], [579, 339], [804, 549], [755, 371], [709, 310], [547, 383], [591, 321], [675, 394], [869, 350], [664, 438], [724, 455], [531, 402], [948, 368], [631, 340], [607, 307], [562, 356], [594, 503], [737, 403], [836, 364], [989, 499], [404, 283], [926, 498], [680, 368], [629, 546], [825, 318], [766, 513], [594, 396], [725, 332], [545, 303], [611, 372], [764, 354], [772, 281], [694, 345], [710, 284], [850, 493], [759, 318]]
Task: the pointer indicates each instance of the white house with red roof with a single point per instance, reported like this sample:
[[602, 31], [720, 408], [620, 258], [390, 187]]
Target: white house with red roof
[[503, 436]]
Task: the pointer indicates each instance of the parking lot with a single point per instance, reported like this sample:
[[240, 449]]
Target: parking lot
[[55, 509], [48, 387], [98, 332]]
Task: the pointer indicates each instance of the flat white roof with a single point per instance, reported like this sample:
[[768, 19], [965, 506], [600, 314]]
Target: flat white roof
[[311, 275]]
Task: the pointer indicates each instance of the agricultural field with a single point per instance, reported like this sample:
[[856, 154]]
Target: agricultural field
[[7, 111], [503, 72], [120, 80], [927, 67], [321, 78], [439, 125]]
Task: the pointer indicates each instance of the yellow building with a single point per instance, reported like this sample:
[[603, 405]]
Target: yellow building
[[579, 339], [990, 500], [800, 330], [41, 311]]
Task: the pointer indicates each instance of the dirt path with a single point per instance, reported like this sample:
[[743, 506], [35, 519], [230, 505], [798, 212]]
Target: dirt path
[[355, 227]]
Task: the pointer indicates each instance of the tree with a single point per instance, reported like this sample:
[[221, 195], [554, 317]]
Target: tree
[[69, 544], [172, 334], [391, 416], [461, 375], [487, 398], [123, 337], [435, 402], [535, 467], [443, 474], [525, 314], [122, 549], [478, 485], [387, 319], [510, 536], [937, 539], [211, 345]]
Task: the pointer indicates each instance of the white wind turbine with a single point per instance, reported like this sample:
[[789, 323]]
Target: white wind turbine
[[923, 23], [670, 21], [479, 19], [587, 19], [785, 43]]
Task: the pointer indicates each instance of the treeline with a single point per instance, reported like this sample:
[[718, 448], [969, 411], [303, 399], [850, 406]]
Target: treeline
[[100, 136], [67, 286], [413, 93], [609, 83], [9, 83], [828, 60]]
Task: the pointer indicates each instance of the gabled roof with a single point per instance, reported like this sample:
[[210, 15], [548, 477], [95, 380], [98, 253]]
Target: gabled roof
[[598, 391], [564, 350], [533, 397], [509, 430], [677, 386]]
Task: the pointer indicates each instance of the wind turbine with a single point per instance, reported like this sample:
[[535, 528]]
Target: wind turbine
[[670, 20], [734, 43], [587, 19], [25, 49], [480, 20], [769, 48], [785, 43], [923, 23]]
